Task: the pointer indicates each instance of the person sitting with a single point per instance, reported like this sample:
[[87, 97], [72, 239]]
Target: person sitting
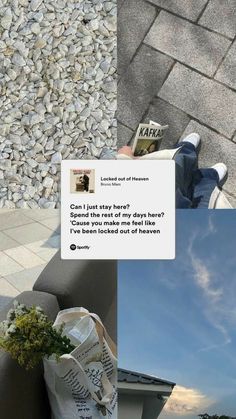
[[195, 187]]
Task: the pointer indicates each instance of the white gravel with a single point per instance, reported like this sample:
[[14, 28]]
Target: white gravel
[[57, 93]]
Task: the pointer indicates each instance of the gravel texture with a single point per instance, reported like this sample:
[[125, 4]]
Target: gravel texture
[[57, 93]]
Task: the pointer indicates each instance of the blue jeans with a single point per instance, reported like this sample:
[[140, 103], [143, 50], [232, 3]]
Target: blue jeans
[[193, 186]]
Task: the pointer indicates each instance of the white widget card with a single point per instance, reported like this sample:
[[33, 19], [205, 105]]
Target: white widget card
[[118, 209]]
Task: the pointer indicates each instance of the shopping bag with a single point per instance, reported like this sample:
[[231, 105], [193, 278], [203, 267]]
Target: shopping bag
[[83, 384]]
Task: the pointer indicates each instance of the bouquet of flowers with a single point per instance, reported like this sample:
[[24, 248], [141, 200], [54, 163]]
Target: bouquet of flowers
[[29, 336], [79, 364]]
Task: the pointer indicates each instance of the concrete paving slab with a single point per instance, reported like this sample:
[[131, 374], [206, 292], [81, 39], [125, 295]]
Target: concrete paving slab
[[52, 223], [8, 265], [227, 71], [187, 42], [215, 149], [124, 135], [190, 9], [140, 16], [24, 281], [24, 257], [220, 16], [47, 254], [53, 242], [6, 242], [202, 98], [13, 218], [39, 214], [140, 84], [37, 246], [5, 210], [166, 114], [27, 233]]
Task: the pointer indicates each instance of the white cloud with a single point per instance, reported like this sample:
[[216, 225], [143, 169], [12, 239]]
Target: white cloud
[[203, 278], [185, 401], [211, 227], [201, 274]]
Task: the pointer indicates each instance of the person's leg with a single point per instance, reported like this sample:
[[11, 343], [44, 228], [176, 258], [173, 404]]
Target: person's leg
[[186, 164], [181, 201], [205, 181]]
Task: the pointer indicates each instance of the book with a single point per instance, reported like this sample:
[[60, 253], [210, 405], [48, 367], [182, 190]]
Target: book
[[148, 138]]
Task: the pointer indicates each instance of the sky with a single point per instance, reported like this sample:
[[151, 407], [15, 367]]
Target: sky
[[177, 319]]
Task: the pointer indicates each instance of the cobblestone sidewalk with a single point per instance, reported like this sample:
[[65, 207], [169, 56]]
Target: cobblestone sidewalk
[[177, 65]]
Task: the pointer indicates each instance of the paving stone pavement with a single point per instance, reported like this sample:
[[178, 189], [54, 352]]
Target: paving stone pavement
[[227, 71], [203, 50], [177, 61], [204, 99], [189, 9], [220, 15], [28, 240]]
